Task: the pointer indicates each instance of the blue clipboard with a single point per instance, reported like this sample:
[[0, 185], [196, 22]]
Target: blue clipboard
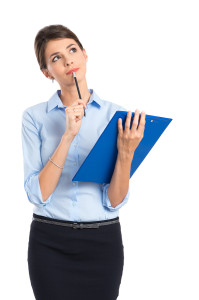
[[100, 163]]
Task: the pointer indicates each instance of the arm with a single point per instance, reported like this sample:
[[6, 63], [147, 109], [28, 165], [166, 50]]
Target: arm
[[50, 174], [40, 181], [119, 184], [127, 142]]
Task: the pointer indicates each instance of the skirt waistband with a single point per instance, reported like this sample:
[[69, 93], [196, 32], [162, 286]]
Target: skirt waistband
[[74, 225]]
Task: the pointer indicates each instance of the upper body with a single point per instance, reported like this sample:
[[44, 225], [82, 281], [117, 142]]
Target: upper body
[[42, 128], [60, 53]]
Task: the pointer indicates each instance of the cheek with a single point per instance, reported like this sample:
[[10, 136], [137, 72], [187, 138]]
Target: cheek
[[82, 59], [83, 63], [57, 67]]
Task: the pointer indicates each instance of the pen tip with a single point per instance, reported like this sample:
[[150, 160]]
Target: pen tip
[[74, 74]]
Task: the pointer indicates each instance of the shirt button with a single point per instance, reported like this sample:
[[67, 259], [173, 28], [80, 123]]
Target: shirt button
[[73, 183], [75, 163]]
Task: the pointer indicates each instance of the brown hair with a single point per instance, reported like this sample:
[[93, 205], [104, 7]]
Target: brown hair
[[48, 33]]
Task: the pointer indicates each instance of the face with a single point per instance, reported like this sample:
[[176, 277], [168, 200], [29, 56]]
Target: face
[[69, 56]]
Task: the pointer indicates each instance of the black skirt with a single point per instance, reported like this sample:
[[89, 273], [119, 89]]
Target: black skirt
[[75, 264]]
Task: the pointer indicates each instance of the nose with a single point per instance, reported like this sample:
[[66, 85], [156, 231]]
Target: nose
[[68, 61]]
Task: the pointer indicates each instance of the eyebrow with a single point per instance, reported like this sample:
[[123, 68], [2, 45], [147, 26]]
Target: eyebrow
[[58, 52]]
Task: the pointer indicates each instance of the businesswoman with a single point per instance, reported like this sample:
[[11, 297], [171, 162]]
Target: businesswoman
[[75, 248]]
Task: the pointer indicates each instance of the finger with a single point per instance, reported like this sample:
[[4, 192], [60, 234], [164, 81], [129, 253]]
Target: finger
[[82, 102], [128, 120], [141, 126], [77, 114], [78, 111], [135, 121], [74, 108], [120, 127], [78, 102]]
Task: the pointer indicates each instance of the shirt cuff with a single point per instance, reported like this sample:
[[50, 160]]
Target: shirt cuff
[[106, 201], [33, 191]]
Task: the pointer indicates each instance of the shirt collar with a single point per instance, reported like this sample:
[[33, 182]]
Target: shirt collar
[[55, 100]]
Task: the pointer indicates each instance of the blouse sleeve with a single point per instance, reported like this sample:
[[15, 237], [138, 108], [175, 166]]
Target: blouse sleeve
[[106, 201], [31, 146]]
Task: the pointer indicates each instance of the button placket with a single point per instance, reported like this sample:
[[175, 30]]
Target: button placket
[[76, 154]]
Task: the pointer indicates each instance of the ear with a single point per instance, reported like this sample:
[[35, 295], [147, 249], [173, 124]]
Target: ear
[[85, 55], [46, 73]]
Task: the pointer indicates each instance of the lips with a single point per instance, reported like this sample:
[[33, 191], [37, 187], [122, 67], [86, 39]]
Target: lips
[[72, 70]]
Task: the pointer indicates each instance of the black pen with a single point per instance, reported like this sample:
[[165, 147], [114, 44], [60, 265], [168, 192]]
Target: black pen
[[74, 75]]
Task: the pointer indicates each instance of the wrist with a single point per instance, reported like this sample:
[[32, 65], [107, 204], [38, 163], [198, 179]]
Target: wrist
[[125, 157], [67, 137]]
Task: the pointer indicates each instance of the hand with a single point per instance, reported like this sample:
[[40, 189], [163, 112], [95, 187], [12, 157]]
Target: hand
[[74, 114], [128, 139]]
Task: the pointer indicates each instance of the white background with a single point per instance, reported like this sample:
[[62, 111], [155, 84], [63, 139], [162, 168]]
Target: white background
[[141, 54]]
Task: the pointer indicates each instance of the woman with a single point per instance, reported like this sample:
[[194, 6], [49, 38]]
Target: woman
[[75, 246]]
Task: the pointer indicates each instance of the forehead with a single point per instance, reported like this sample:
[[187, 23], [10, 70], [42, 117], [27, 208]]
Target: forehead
[[58, 45]]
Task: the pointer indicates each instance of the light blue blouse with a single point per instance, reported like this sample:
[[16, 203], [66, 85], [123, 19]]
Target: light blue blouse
[[43, 125]]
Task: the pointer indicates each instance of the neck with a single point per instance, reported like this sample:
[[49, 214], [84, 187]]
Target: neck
[[69, 94]]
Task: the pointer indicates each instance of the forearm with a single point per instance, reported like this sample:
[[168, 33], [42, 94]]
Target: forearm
[[119, 184], [50, 174]]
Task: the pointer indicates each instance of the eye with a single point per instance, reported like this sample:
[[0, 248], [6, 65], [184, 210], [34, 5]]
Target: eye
[[74, 49], [53, 60]]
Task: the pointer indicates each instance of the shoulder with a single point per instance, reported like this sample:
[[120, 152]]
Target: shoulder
[[111, 107], [35, 113]]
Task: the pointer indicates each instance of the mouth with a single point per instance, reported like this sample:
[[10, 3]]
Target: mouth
[[72, 70]]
